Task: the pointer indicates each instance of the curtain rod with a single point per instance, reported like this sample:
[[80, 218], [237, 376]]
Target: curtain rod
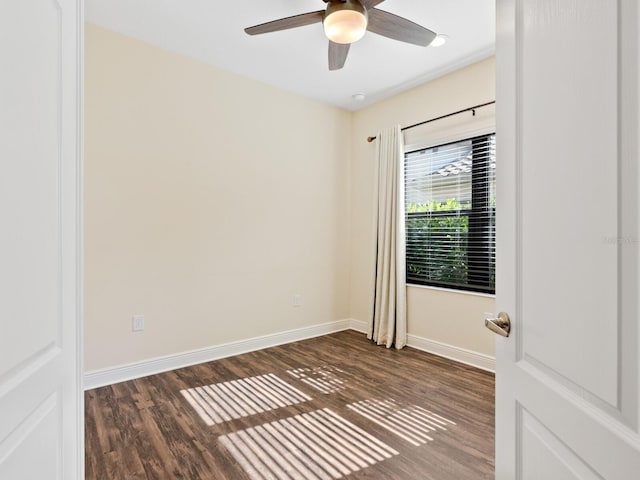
[[470, 109]]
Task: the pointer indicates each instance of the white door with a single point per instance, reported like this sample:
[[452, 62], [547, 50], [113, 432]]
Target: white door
[[40, 279], [568, 137]]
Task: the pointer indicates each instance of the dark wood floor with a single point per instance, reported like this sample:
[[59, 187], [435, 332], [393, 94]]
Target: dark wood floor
[[330, 407]]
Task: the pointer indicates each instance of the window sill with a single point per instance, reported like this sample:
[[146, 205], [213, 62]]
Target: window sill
[[453, 290]]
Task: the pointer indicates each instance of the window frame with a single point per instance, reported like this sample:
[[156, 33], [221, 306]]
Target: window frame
[[478, 221]]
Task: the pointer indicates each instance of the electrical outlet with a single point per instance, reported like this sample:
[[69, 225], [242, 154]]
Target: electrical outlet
[[137, 323], [297, 300]]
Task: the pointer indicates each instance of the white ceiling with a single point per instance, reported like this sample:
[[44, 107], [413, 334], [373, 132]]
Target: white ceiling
[[296, 60]]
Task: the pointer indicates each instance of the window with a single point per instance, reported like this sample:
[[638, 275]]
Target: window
[[450, 215]]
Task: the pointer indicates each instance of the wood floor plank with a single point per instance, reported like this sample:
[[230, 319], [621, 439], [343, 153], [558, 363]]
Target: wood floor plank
[[435, 414]]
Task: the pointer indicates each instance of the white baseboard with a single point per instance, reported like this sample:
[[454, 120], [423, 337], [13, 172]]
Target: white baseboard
[[108, 376], [358, 325], [468, 357], [462, 355]]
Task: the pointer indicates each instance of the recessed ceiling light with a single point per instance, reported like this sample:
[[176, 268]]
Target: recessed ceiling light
[[358, 97], [439, 40]]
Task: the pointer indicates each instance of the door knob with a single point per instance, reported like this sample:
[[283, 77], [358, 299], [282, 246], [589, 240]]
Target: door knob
[[500, 325]]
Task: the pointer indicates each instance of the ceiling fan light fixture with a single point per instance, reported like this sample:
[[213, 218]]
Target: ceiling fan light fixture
[[345, 22]]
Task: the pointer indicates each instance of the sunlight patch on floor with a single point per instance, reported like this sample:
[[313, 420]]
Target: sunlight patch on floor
[[319, 445], [412, 423], [239, 398], [324, 379]]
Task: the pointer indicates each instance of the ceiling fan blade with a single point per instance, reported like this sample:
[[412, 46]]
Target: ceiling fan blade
[[338, 54], [370, 3], [398, 28], [286, 23]]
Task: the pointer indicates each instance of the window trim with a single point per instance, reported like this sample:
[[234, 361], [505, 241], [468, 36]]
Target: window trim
[[453, 290]]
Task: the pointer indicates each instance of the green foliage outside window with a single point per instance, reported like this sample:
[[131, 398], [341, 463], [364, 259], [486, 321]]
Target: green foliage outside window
[[442, 238]]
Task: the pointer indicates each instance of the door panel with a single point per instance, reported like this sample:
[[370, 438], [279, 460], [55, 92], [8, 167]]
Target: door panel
[[32, 223], [547, 456], [37, 433], [567, 268], [40, 133]]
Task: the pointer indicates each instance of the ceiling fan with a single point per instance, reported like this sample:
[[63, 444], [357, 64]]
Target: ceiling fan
[[346, 21]]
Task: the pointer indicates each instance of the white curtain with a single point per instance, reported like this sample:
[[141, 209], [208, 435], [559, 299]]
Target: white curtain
[[389, 322]]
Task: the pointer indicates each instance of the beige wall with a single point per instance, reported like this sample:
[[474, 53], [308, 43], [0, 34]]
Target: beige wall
[[210, 201], [442, 316]]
